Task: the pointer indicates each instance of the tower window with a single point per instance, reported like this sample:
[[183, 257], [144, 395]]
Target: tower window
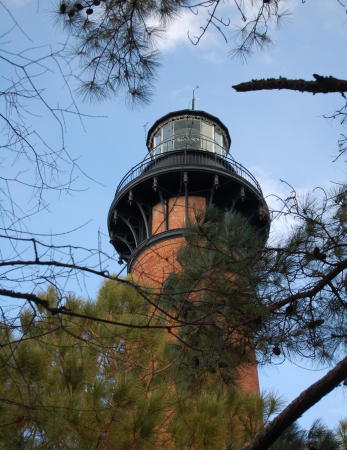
[[186, 134], [207, 136], [156, 143], [218, 142], [167, 137]]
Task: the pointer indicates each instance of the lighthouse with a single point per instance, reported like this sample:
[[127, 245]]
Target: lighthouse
[[187, 169]]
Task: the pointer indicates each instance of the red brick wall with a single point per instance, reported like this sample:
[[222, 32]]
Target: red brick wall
[[248, 378], [156, 262], [176, 210]]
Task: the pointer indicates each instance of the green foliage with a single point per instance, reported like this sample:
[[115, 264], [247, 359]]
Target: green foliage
[[318, 437], [68, 382], [293, 437], [281, 300], [216, 288], [72, 383], [321, 438]]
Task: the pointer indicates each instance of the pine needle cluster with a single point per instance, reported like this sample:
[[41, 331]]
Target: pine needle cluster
[[115, 43]]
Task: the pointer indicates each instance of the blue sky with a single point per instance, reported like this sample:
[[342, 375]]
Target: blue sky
[[276, 135]]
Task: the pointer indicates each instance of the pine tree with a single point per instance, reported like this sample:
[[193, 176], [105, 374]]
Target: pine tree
[[284, 300], [70, 383]]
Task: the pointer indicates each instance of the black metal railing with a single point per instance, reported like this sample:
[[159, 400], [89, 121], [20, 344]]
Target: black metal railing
[[193, 157]]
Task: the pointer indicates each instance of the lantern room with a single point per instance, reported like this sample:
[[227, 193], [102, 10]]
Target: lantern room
[[188, 130]]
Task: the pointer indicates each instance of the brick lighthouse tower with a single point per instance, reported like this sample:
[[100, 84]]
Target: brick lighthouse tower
[[187, 169]]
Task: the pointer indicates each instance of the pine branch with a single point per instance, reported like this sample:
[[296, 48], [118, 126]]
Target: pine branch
[[322, 85], [75, 267], [324, 281], [297, 407], [62, 310], [311, 292]]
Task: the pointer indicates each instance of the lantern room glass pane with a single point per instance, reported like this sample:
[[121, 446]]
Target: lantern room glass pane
[[194, 134], [206, 136], [167, 137], [156, 144], [219, 144], [179, 134], [187, 134]]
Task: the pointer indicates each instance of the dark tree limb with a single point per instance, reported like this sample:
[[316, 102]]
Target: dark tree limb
[[62, 310], [321, 85], [297, 407], [324, 281]]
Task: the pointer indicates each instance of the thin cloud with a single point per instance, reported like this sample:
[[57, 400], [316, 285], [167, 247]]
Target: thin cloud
[[178, 31], [188, 24]]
